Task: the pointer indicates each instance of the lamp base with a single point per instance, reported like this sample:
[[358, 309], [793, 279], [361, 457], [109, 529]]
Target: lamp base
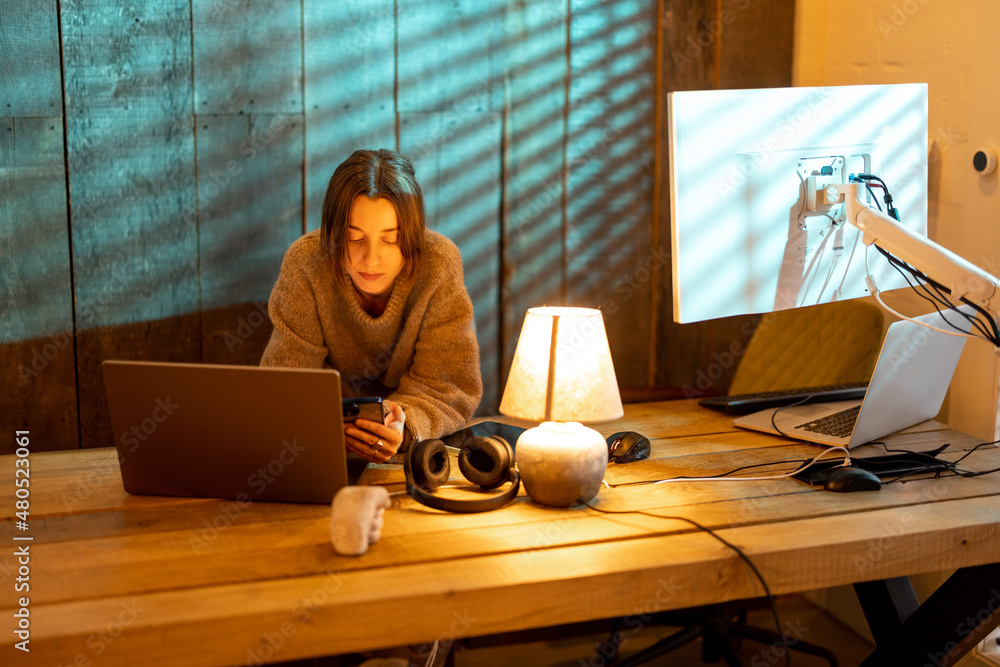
[[561, 463]]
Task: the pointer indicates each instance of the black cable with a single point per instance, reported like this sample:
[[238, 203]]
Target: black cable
[[952, 465], [937, 297], [925, 467], [874, 198], [969, 473], [739, 552], [774, 424], [871, 177], [899, 264], [995, 338], [940, 289], [993, 335], [982, 444], [946, 300], [886, 448], [719, 476], [893, 213], [928, 469], [955, 472]]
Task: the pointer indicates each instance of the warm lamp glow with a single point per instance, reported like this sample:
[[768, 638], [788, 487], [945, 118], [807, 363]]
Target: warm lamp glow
[[562, 375], [562, 369]]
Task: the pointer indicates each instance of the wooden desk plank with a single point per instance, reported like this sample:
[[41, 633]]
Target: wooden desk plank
[[116, 577], [515, 591], [670, 419], [90, 480], [87, 481], [184, 551]]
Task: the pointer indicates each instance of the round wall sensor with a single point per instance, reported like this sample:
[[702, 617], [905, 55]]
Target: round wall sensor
[[985, 161]]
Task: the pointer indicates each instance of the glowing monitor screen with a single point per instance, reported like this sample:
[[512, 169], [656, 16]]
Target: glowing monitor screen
[[751, 230]]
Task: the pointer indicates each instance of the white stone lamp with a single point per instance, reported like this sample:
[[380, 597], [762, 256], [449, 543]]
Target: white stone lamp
[[562, 376]]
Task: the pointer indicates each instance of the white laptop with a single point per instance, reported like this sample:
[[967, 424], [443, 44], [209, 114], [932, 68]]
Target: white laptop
[[908, 385], [240, 432]]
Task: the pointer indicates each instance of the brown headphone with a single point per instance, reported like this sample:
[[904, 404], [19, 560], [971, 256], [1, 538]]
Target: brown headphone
[[484, 460]]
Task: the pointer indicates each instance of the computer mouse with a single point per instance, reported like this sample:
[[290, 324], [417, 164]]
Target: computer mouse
[[851, 478], [627, 446]]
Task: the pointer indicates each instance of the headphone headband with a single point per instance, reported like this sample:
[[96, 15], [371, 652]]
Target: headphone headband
[[424, 497]]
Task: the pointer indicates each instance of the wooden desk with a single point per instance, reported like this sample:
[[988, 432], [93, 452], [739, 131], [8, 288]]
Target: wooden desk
[[118, 579]]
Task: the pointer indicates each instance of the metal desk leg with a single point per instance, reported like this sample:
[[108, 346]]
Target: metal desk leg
[[887, 604], [947, 625]]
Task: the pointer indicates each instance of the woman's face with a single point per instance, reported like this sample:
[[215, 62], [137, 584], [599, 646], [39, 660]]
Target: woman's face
[[373, 255]]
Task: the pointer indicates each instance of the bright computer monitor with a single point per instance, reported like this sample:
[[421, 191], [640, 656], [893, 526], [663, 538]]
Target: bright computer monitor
[[750, 227]]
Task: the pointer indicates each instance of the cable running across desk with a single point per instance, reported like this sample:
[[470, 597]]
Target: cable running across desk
[[926, 288], [770, 597]]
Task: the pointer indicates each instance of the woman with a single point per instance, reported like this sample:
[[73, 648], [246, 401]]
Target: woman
[[380, 298]]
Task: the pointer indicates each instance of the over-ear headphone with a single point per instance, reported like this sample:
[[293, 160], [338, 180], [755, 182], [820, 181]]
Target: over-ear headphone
[[486, 461]]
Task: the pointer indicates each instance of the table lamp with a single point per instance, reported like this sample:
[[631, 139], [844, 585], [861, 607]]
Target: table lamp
[[562, 376]]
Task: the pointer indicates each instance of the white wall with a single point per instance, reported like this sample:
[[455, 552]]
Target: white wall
[[953, 48]]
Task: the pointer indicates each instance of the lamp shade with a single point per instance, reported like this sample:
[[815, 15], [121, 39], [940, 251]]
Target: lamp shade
[[562, 369]]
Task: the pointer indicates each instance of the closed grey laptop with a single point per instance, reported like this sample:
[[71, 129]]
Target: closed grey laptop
[[240, 432], [908, 385]]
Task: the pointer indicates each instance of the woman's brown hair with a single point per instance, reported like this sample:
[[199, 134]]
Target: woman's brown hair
[[379, 174]]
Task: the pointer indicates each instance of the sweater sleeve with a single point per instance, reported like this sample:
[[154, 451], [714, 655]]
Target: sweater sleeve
[[297, 338], [443, 386]]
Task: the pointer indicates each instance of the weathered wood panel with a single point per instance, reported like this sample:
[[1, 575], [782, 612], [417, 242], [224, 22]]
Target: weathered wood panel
[[29, 59], [449, 55], [248, 97], [420, 136], [250, 211], [348, 51], [756, 40], [457, 159], [469, 214], [700, 357], [445, 95], [128, 100], [485, 91], [611, 259], [37, 361], [534, 163], [247, 57]]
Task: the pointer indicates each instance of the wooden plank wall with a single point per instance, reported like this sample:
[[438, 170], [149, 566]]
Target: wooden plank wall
[[157, 160], [37, 359], [609, 185], [448, 102], [130, 163], [709, 44], [247, 67]]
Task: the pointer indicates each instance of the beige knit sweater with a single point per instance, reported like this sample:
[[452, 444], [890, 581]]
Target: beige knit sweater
[[421, 352]]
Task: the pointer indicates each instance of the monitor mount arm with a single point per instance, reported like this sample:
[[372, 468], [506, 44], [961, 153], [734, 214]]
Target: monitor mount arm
[[962, 279]]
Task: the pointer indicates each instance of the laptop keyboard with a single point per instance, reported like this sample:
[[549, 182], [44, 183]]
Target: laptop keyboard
[[838, 425]]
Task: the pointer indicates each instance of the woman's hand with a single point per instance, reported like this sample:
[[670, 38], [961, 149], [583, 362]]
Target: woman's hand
[[373, 441]]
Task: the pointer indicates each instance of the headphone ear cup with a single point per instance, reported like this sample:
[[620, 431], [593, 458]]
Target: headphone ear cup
[[486, 461], [428, 462]]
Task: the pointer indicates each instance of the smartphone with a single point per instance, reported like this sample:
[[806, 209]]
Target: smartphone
[[365, 407]]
